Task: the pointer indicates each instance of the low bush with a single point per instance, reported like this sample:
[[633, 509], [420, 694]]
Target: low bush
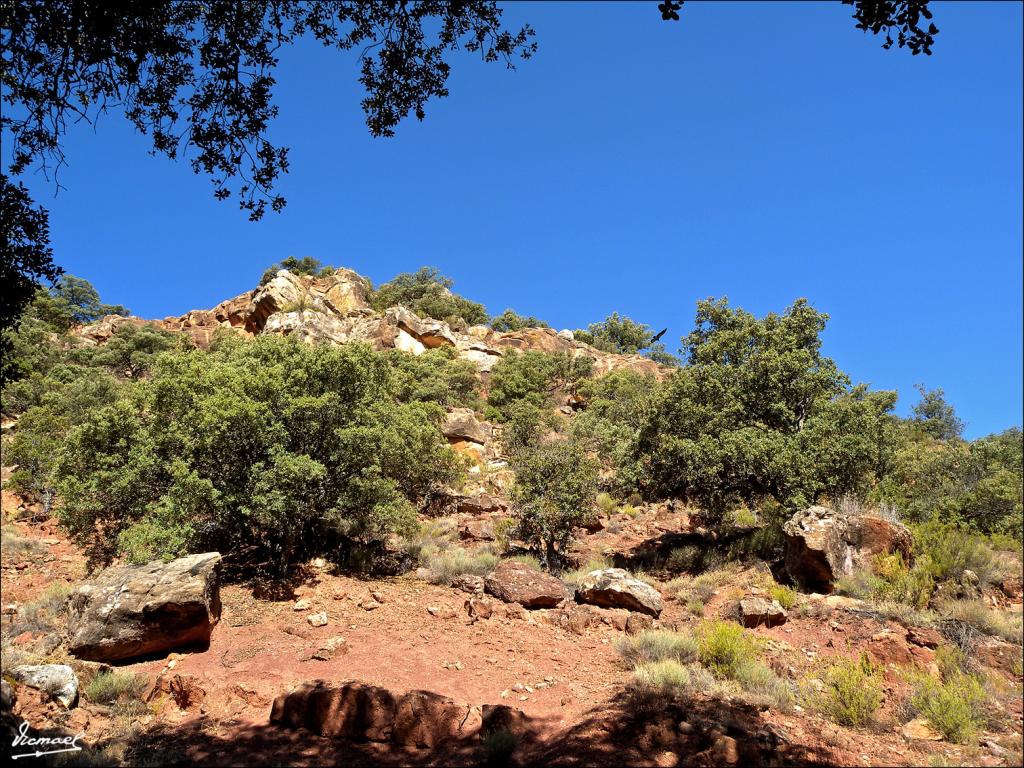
[[44, 613], [783, 595], [723, 647], [852, 691], [953, 707], [952, 549], [109, 687], [446, 565], [606, 503], [15, 548], [497, 747], [658, 645], [665, 677], [763, 685], [525, 559], [988, 621]]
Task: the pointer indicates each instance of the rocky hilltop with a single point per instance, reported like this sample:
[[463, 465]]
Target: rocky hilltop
[[336, 309]]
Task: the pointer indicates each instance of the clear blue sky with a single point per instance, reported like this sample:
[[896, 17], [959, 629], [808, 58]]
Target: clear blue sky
[[759, 151]]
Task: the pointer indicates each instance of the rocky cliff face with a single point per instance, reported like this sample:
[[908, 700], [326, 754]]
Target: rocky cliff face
[[336, 309]]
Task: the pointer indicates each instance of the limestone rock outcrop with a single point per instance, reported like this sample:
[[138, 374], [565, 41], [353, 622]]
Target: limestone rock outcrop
[[336, 309]]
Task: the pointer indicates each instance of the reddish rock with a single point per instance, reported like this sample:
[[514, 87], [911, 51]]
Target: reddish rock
[[998, 654], [923, 636], [363, 712], [515, 582], [637, 623], [1012, 587], [889, 648]]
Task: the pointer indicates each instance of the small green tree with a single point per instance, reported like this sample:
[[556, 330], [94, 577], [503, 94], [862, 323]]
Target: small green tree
[[428, 293], [203, 454], [307, 265], [555, 492], [82, 300], [436, 376], [759, 413], [510, 320], [623, 336], [615, 334], [936, 417]]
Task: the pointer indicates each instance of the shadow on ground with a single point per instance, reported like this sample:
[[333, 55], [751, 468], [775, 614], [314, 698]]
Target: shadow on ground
[[695, 731]]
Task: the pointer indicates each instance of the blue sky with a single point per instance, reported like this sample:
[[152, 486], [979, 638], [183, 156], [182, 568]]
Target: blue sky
[[760, 151]]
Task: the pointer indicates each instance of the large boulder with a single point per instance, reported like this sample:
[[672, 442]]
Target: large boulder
[[362, 712], [140, 610], [822, 545], [515, 582], [58, 681], [615, 588]]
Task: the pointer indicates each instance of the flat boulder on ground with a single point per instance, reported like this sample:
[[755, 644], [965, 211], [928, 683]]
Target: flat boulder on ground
[[140, 610], [822, 545], [615, 588], [515, 582]]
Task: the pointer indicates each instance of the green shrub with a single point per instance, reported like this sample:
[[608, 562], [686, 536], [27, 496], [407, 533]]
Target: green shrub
[[435, 376], [953, 707], [783, 595], [951, 549], [695, 606], [665, 677], [658, 645], [617, 335], [15, 548], [724, 647], [307, 265], [510, 320], [44, 614], [684, 558], [497, 747], [109, 687], [529, 560], [503, 529], [576, 575], [760, 682], [757, 388], [852, 692], [742, 517], [606, 503], [532, 376]]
